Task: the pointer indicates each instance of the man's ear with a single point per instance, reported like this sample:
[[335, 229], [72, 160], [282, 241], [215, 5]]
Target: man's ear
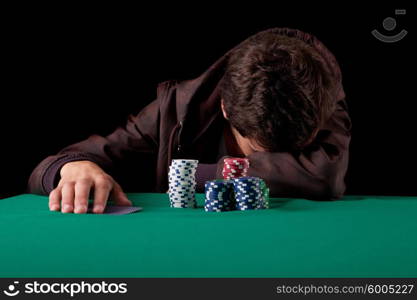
[[223, 110]]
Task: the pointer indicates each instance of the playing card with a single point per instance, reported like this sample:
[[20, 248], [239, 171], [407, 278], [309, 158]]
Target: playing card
[[118, 210]]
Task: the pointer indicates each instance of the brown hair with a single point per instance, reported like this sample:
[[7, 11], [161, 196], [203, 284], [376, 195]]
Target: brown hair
[[276, 90]]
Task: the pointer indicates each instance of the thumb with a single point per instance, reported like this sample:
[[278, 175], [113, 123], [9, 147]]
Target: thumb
[[119, 197]]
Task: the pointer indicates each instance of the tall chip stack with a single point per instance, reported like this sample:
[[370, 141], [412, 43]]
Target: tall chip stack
[[182, 183]]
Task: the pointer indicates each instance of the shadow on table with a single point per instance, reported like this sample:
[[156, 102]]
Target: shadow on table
[[283, 203], [279, 203], [353, 198]]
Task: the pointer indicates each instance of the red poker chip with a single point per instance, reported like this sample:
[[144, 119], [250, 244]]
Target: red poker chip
[[235, 167]]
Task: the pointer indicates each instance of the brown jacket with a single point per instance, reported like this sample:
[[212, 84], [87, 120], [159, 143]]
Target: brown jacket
[[185, 121]]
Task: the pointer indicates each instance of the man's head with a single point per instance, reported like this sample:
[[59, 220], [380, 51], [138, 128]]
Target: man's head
[[276, 91]]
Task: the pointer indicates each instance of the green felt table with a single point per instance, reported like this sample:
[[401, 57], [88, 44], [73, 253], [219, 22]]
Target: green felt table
[[357, 236]]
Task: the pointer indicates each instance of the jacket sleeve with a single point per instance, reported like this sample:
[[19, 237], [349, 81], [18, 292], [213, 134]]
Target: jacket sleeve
[[316, 173], [139, 135]]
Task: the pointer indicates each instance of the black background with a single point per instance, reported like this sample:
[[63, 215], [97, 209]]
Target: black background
[[74, 71]]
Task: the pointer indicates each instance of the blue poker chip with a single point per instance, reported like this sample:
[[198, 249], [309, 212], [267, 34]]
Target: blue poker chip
[[218, 196], [250, 193]]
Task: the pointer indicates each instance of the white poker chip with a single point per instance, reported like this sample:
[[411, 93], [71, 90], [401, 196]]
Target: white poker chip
[[182, 183]]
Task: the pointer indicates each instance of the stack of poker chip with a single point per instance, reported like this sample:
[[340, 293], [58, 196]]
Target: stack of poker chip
[[182, 183], [219, 196], [242, 193], [265, 194], [235, 167], [250, 193]]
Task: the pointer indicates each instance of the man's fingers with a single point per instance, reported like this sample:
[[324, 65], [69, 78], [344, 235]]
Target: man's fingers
[[55, 199], [119, 197], [102, 190], [82, 192], [67, 197]]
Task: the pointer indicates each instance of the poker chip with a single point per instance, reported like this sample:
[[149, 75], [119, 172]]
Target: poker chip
[[219, 196], [250, 193], [235, 167], [235, 192], [182, 184], [243, 193]]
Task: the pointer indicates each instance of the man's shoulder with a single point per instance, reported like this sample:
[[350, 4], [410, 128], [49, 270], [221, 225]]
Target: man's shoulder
[[166, 86]]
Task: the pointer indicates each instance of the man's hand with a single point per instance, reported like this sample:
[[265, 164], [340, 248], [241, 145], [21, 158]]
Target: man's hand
[[77, 180]]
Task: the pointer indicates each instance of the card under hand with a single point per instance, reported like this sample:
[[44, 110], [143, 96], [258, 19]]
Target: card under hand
[[117, 210]]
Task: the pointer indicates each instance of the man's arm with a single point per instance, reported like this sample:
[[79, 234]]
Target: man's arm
[[139, 135], [316, 173]]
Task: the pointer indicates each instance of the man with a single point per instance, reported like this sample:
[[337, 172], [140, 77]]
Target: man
[[277, 98]]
